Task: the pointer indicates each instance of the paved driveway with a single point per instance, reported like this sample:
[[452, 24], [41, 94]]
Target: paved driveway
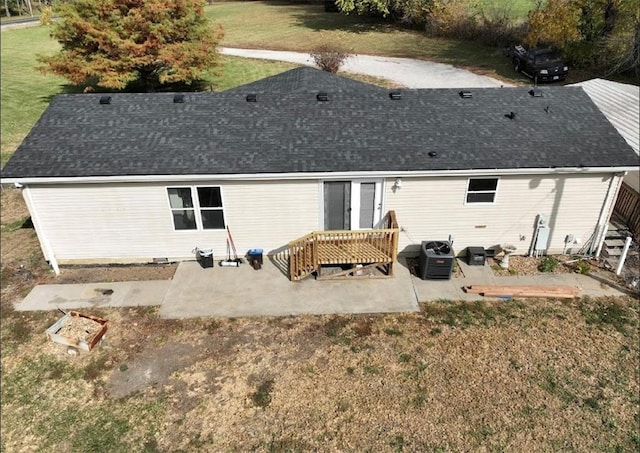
[[405, 71]]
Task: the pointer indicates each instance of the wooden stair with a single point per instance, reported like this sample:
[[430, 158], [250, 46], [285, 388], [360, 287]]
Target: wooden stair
[[614, 240]]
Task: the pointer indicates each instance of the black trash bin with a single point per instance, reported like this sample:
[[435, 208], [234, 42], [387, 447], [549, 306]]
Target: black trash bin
[[205, 257], [255, 258], [476, 256]]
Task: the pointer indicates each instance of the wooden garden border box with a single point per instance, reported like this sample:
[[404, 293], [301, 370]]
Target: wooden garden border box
[[85, 344]]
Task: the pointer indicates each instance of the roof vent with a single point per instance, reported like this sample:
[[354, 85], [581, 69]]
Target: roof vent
[[432, 154], [105, 100], [511, 115], [252, 97], [395, 95], [178, 99], [535, 92], [322, 96], [465, 94]]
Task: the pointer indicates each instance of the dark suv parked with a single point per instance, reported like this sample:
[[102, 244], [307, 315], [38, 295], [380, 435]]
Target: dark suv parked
[[542, 65]]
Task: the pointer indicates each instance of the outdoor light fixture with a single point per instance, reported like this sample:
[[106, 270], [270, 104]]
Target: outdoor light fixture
[[397, 185]]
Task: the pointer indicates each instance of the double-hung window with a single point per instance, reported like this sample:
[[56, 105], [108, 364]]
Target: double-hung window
[[196, 208], [482, 190]]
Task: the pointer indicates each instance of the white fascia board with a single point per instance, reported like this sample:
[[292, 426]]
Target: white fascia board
[[319, 175]]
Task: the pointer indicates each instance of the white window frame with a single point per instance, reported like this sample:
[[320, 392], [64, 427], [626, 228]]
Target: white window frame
[[197, 209], [494, 192]]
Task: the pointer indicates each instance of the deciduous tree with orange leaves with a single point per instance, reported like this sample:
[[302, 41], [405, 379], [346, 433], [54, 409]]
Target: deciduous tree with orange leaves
[[118, 44]]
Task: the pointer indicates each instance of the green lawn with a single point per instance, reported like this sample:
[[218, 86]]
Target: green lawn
[[516, 9], [25, 91]]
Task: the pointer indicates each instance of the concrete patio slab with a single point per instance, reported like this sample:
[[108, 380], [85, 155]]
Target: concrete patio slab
[[90, 295], [243, 291]]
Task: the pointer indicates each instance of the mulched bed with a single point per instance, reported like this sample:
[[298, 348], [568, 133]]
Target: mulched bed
[[527, 265]]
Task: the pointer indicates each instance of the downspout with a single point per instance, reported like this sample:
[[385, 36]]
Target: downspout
[[605, 213], [44, 243]]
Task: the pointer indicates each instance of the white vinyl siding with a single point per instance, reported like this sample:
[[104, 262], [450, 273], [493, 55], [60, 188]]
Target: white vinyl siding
[[434, 208], [132, 222]]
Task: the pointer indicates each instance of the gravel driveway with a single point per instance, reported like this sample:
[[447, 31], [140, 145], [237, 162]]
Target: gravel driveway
[[405, 71]]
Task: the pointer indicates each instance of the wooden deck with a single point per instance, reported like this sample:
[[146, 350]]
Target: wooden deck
[[627, 207], [367, 248]]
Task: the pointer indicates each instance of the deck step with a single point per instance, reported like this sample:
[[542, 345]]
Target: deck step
[[617, 234], [613, 243], [618, 252], [613, 252], [617, 223]]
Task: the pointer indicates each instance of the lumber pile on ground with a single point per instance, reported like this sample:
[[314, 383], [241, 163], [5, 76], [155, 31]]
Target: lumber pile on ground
[[560, 292]]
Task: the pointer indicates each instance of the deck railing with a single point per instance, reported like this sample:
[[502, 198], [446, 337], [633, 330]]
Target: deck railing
[[627, 207], [374, 247]]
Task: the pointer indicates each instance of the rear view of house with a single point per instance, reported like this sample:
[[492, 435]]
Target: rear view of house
[[142, 177]]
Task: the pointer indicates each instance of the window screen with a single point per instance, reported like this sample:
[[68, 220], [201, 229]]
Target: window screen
[[482, 190]]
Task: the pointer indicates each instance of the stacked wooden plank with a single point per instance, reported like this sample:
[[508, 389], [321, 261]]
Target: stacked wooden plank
[[560, 292]]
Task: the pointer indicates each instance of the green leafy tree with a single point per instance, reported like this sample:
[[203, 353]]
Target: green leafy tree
[[554, 23], [410, 12], [600, 33], [621, 46], [117, 43], [365, 6]]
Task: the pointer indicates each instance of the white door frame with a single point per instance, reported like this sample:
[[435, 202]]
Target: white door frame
[[355, 200]]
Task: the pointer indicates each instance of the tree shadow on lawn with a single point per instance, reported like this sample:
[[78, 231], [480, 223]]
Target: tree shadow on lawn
[[314, 17]]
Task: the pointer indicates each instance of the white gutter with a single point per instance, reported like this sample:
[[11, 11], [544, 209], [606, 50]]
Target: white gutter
[[46, 247], [317, 175]]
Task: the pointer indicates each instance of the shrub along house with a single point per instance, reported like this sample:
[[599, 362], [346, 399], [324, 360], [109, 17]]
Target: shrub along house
[[141, 177]]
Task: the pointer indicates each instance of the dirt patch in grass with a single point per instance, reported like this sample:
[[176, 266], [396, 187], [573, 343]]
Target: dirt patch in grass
[[116, 273]]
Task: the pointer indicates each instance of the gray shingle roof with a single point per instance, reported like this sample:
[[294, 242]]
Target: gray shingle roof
[[288, 130]]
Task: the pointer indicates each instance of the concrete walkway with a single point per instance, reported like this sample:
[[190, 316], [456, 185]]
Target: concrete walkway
[[89, 295], [243, 291], [404, 71]]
